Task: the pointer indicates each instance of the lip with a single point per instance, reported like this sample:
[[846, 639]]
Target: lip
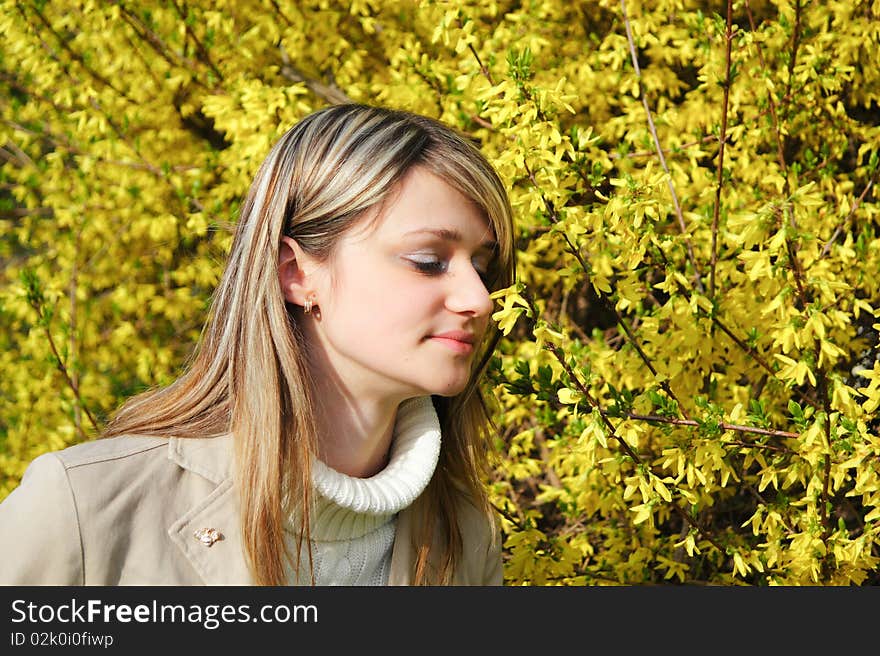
[[459, 341]]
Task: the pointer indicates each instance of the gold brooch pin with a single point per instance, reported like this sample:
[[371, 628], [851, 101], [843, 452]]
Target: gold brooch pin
[[207, 536]]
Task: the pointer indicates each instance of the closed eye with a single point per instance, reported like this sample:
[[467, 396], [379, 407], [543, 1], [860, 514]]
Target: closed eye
[[487, 269], [434, 266], [428, 264]]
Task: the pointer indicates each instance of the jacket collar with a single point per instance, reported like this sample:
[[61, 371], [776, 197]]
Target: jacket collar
[[210, 457], [221, 562]]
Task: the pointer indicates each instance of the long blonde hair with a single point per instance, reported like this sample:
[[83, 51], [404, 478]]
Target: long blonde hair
[[248, 374]]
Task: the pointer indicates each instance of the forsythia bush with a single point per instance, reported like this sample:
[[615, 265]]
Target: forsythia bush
[[689, 384]]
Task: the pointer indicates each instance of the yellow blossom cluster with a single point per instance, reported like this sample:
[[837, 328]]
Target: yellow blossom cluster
[[689, 383]]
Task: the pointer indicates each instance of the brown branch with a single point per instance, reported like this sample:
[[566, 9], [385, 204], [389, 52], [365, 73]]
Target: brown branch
[[124, 138], [795, 43], [652, 153], [56, 140], [483, 122], [434, 85], [702, 140], [134, 40], [14, 83], [156, 43], [72, 346], [575, 251], [797, 269], [722, 138], [281, 13], [623, 443], [63, 369], [736, 340], [61, 141], [824, 499], [745, 347], [206, 58], [723, 426], [331, 93], [752, 445], [827, 247], [510, 518], [73, 54], [144, 33], [18, 212], [659, 149], [483, 69], [76, 57], [17, 157]]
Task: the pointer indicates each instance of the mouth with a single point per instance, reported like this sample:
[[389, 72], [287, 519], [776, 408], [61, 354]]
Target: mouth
[[458, 341]]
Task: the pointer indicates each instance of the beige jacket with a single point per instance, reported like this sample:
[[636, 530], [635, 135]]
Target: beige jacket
[[124, 511]]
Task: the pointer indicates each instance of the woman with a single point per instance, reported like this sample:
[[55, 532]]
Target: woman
[[303, 443]]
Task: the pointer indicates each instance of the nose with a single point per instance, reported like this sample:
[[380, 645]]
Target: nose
[[467, 293]]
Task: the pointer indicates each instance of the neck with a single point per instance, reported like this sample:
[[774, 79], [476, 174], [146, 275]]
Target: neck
[[355, 431], [355, 414]]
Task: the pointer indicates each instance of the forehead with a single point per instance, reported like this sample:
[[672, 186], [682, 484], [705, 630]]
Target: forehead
[[424, 204]]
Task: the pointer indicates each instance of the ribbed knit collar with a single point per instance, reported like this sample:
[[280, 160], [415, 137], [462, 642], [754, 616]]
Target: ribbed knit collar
[[347, 507]]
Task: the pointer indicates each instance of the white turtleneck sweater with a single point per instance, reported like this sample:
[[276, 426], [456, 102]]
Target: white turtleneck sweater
[[354, 519]]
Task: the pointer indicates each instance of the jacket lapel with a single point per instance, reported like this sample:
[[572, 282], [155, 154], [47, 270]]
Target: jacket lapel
[[223, 562], [218, 561]]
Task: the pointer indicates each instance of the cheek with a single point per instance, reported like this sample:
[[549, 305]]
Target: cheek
[[389, 300], [370, 310], [403, 310]]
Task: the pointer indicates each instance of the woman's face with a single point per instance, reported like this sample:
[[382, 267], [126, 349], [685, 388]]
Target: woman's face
[[402, 303]]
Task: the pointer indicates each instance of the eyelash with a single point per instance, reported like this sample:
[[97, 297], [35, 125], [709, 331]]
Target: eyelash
[[432, 267], [437, 267]]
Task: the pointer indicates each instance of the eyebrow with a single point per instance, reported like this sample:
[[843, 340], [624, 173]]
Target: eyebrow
[[452, 235]]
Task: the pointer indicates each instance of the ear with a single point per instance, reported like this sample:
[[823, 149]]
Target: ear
[[294, 272]]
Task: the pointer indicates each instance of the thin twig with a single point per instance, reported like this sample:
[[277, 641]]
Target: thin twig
[[73, 54], [18, 212], [12, 81], [791, 248], [62, 142], [826, 474], [332, 94], [149, 36], [18, 156], [741, 343], [124, 138], [631, 338], [510, 518], [612, 432], [723, 426], [199, 46], [659, 148], [63, 369], [281, 13], [722, 138], [483, 69], [827, 247], [74, 376], [797, 269], [625, 446]]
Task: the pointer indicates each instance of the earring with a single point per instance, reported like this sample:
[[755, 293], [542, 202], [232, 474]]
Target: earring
[[310, 301]]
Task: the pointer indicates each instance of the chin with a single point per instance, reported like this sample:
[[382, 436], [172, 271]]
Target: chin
[[453, 389]]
